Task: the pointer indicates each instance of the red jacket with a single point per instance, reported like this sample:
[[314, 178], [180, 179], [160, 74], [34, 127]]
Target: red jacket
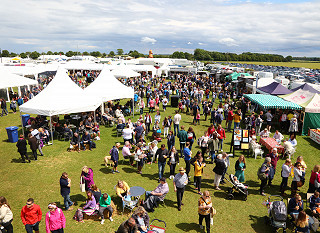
[[313, 177], [222, 133], [230, 115], [31, 215]]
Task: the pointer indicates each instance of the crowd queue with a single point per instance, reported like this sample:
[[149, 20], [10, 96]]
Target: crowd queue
[[198, 98]]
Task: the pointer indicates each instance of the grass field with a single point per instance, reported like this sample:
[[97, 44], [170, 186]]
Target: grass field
[[40, 180], [310, 65]]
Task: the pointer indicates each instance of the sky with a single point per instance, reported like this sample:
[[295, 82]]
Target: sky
[[287, 27]]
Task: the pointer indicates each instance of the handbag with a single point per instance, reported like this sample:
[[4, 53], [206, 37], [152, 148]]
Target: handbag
[[82, 185], [316, 183]]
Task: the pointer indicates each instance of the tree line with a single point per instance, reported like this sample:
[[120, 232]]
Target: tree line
[[199, 54]]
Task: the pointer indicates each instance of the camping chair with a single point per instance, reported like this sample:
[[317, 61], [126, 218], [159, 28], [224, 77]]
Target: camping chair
[[308, 200], [256, 150], [129, 204]]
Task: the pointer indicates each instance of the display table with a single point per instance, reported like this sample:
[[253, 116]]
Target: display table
[[315, 135], [137, 191], [271, 143]]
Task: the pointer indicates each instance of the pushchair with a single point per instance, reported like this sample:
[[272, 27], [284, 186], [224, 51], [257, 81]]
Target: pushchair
[[156, 229], [277, 213], [237, 188]]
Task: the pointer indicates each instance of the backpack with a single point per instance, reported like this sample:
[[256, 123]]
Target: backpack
[[78, 216], [110, 151], [261, 175], [199, 141], [190, 135]]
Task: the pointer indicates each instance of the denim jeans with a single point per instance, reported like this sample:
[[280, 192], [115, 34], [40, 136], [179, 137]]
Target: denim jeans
[[67, 201], [161, 166], [220, 144], [213, 155], [176, 129], [236, 124]]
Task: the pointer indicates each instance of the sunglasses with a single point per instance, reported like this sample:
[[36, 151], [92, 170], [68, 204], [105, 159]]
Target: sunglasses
[[29, 204]]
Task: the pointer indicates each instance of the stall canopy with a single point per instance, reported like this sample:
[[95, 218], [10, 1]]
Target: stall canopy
[[124, 72], [8, 79], [311, 104], [306, 87], [61, 96], [235, 75], [271, 102], [274, 88], [107, 87]]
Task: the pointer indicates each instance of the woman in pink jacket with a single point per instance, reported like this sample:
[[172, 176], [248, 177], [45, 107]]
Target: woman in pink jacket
[[55, 220]]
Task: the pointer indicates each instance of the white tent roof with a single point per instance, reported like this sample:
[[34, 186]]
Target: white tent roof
[[8, 79], [314, 105], [107, 87], [124, 71], [145, 68], [299, 97], [61, 96], [82, 65]]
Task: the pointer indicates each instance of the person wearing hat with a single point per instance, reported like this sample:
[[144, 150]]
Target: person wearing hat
[[179, 183], [265, 133], [264, 169], [158, 194]]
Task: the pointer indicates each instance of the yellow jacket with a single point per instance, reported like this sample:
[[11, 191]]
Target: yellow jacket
[[125, 188], [198, 168]]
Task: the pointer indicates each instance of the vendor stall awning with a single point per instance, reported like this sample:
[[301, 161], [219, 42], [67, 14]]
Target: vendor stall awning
[[270, 101]]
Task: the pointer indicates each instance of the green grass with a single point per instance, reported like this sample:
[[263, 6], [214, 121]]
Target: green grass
[[40, 180], [310, 65]]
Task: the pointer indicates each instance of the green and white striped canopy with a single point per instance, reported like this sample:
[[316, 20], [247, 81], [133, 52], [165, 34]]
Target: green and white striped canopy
[[270, 101]]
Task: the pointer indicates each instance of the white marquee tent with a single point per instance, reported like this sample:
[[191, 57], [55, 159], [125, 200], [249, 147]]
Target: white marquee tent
[[124, 72], [107, 88], [8, 80], [61, 96]]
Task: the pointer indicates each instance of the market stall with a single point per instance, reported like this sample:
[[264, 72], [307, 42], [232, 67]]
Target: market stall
[[315, 135]]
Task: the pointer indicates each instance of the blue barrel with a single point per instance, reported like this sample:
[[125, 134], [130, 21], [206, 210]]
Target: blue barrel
[[25, 119], [12, 132]]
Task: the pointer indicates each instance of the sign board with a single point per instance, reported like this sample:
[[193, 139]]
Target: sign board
[[240, 140]]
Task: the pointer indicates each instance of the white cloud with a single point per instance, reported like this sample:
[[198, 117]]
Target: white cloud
[[285, 28], [148, 40], [228, 41]]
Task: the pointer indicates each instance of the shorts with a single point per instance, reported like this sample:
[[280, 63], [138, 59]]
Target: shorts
[[269, 123], [32, 227]]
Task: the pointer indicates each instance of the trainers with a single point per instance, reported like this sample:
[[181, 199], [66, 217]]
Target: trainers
[[117, 171], [102, 221], [263, 194], [113, 172], [111, 219], [217, 188], [201, 227]]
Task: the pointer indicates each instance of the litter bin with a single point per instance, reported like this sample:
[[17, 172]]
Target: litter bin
[[25, 119], [175, 100], [12, 132]]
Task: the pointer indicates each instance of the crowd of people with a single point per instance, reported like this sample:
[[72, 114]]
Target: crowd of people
[[198, 98]]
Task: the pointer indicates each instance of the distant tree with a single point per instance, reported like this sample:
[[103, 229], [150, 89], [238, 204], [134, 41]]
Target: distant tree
[[120, 51], [85, 53], [12, 54], [104, 55], [34, 55], [95, 54], [111, 54], [5, 53], [49, 53], [288, 59], [70, 53], [23, 55], [135, 54], [61, 53]]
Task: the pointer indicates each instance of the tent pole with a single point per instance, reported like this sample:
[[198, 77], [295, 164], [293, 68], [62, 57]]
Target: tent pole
[[133, 107], [304, 117], [8, 96], [102, 108], [94, 116], [51, 130], [21, 123]]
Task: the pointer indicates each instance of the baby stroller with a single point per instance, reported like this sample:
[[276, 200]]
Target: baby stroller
[[156, 229], [237, 188], [277, 213]]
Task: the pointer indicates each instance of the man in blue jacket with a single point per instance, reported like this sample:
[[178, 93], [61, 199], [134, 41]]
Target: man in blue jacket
[[65, 184], [295, 206], [86, 139], [115, 157]]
